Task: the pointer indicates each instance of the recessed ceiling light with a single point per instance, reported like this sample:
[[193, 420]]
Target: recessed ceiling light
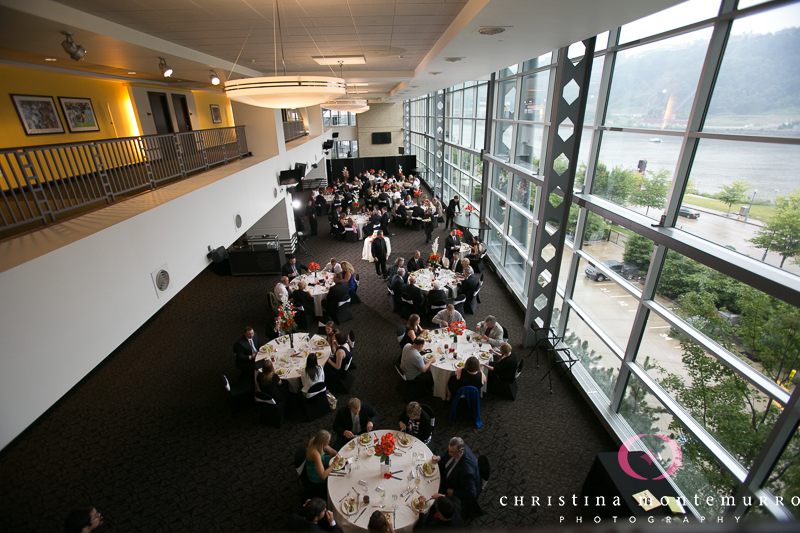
[[340, 60], [491, 31], [358, 84], [453, 59], [50, 59], [131, 72]]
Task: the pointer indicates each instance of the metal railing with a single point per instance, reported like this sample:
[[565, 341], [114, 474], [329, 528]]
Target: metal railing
[[38, 183], [293, 130]]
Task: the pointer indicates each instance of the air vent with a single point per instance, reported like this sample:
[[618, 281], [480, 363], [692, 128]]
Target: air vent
[[237, 220], [162, 280], [491, 31], [453, 59]]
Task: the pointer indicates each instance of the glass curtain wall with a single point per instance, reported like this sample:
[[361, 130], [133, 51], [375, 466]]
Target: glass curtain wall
[[338, 118], [690, 200]]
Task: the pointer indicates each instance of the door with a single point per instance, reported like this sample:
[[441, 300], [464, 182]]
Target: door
[[181, 112], [160, 110]]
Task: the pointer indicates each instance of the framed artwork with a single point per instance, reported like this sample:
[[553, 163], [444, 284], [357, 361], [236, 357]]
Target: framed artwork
[[38, 114], [79, 114], [216, 116]]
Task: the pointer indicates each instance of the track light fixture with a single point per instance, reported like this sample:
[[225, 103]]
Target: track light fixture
[[75, 51], [214, 78], [166, 70]]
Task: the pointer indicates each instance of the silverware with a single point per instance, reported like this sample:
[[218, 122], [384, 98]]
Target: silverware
[[359, 516], [345, 496], [432, 480]]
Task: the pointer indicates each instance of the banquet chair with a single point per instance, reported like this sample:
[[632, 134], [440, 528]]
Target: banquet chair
[[342, 385], [240, 393], [350, 234], [310, 490], [430, 413], [505, 389], [407, 308], [343, 313], [437, 306], [416, 223], [480, 286], [270, 411], [466, 404], [459, 302], [484, 469], [472, 302], [315, 404], [324, 319]]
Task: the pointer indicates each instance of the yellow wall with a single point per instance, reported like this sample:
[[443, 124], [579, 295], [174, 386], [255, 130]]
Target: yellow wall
[[204, 99], [103, 93]]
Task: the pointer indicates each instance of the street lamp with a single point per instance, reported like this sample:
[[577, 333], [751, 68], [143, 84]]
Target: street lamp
[[751, 205]]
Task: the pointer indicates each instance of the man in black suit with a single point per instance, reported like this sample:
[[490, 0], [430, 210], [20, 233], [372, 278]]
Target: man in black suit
[[322, 205], [460, 476], [452, 244], [384, 220], [445, 512], [398, 282], [468, 286], [303, 299], [455, 263], [354, 419], [311, 213], [452, 208], [292, 268], [380, 254], [337, 293], [417, 212], [347, 201], [316, 517], [401, 213], [416, 262], [246, 349], [375, 219], [436, 294], [413, 293]]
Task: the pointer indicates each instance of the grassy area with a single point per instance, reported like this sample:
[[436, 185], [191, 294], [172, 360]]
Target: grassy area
[[759, 212]]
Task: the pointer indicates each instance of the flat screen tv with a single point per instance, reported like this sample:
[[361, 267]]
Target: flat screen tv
[[335, 134], [384, 137], [301, 169], [289, 177]]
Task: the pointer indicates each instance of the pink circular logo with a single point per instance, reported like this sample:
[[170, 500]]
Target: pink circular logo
[[673, 446]]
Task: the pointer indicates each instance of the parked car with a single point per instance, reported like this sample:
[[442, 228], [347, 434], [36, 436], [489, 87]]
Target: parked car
[[688, 213], [626, 270]]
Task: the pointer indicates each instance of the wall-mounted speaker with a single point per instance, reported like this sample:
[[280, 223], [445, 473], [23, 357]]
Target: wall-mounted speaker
[[219, 255], [401, 151]]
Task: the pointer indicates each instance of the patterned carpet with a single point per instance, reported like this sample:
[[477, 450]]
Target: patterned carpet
[[149, 440]]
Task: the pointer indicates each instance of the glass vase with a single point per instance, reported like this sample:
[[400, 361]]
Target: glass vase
[[386, 467]]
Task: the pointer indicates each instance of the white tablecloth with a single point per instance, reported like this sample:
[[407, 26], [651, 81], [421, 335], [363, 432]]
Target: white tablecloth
[[442, 370], [293, 365], [446, 277], [366, 255], [360, 221], [369, 470], [319, 291]]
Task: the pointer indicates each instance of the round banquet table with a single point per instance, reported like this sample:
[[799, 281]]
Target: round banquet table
[[361, 221], [369, 470], [323, 282], [472, 221], [366, 255], [442, 370], [448, 279], [292, 362]]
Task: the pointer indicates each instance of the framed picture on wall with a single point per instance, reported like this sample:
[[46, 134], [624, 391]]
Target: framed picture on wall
[[38, 114], [216, 116], [79, 114]]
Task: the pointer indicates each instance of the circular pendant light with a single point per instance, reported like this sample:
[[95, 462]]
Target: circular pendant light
[[352, 105], [284, 92]]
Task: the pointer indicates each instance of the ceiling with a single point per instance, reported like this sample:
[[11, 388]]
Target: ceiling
[[404, 42]]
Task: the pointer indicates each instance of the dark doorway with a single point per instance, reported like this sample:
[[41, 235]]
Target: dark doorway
[[181, 112], [160, 110]]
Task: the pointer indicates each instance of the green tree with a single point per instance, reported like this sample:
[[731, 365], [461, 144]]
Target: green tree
[[733, 192], [595, 225], [781, 233], [652, 191], [677, 275], [616, 185], [638, 250]]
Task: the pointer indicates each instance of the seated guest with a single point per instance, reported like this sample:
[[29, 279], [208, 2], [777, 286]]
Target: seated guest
[[246, 349], [392, 270], [333, 266], [416, 422], [490, 331], [375, 219], [414, 366], [445, 317], [477, 249], [330, 333], [303, 299], [398, 282], [312, 374], [504, 365], [315, 517], [401, 213], [82, 520], [455, 263], [430, 224], [339, 359], [354, 419], [416, 262], [292, 268], [273, 328], [436, 294], [318, 457], [378, 523], [468, 286], [413, 330], [414, 293], [349, 275], [466, 270], [468, 376], [337, 293], [445, 512], [418, 212], [461, 476], [267, 381], [282, 289]]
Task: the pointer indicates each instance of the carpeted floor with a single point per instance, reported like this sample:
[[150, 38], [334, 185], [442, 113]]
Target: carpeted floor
[[149, 440]]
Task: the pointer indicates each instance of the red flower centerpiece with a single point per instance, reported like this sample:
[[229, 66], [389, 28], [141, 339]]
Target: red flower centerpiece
[[456, 329], [314, 267], [330, 190], [469, 209], [459, 233], [286, 320], [434, 259], [417, 193], [383, 450]]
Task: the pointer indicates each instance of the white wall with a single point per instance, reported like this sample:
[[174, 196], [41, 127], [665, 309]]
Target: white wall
[[348, 133], [142, 103], [63, 312]]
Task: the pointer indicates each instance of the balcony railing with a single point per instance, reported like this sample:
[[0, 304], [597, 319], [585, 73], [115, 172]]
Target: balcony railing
[[293, 130], [39, 183]]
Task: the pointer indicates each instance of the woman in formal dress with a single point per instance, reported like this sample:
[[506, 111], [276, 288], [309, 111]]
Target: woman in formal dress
[[504, 365], [349, 275], [378, 523], [318, 457], [339, 360], [268, 382], [413, 329], [312, 375], [330, 334], [469, 375]]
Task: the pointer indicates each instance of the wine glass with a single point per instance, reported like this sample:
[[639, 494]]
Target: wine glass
[[417, 481], [394, 501]]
